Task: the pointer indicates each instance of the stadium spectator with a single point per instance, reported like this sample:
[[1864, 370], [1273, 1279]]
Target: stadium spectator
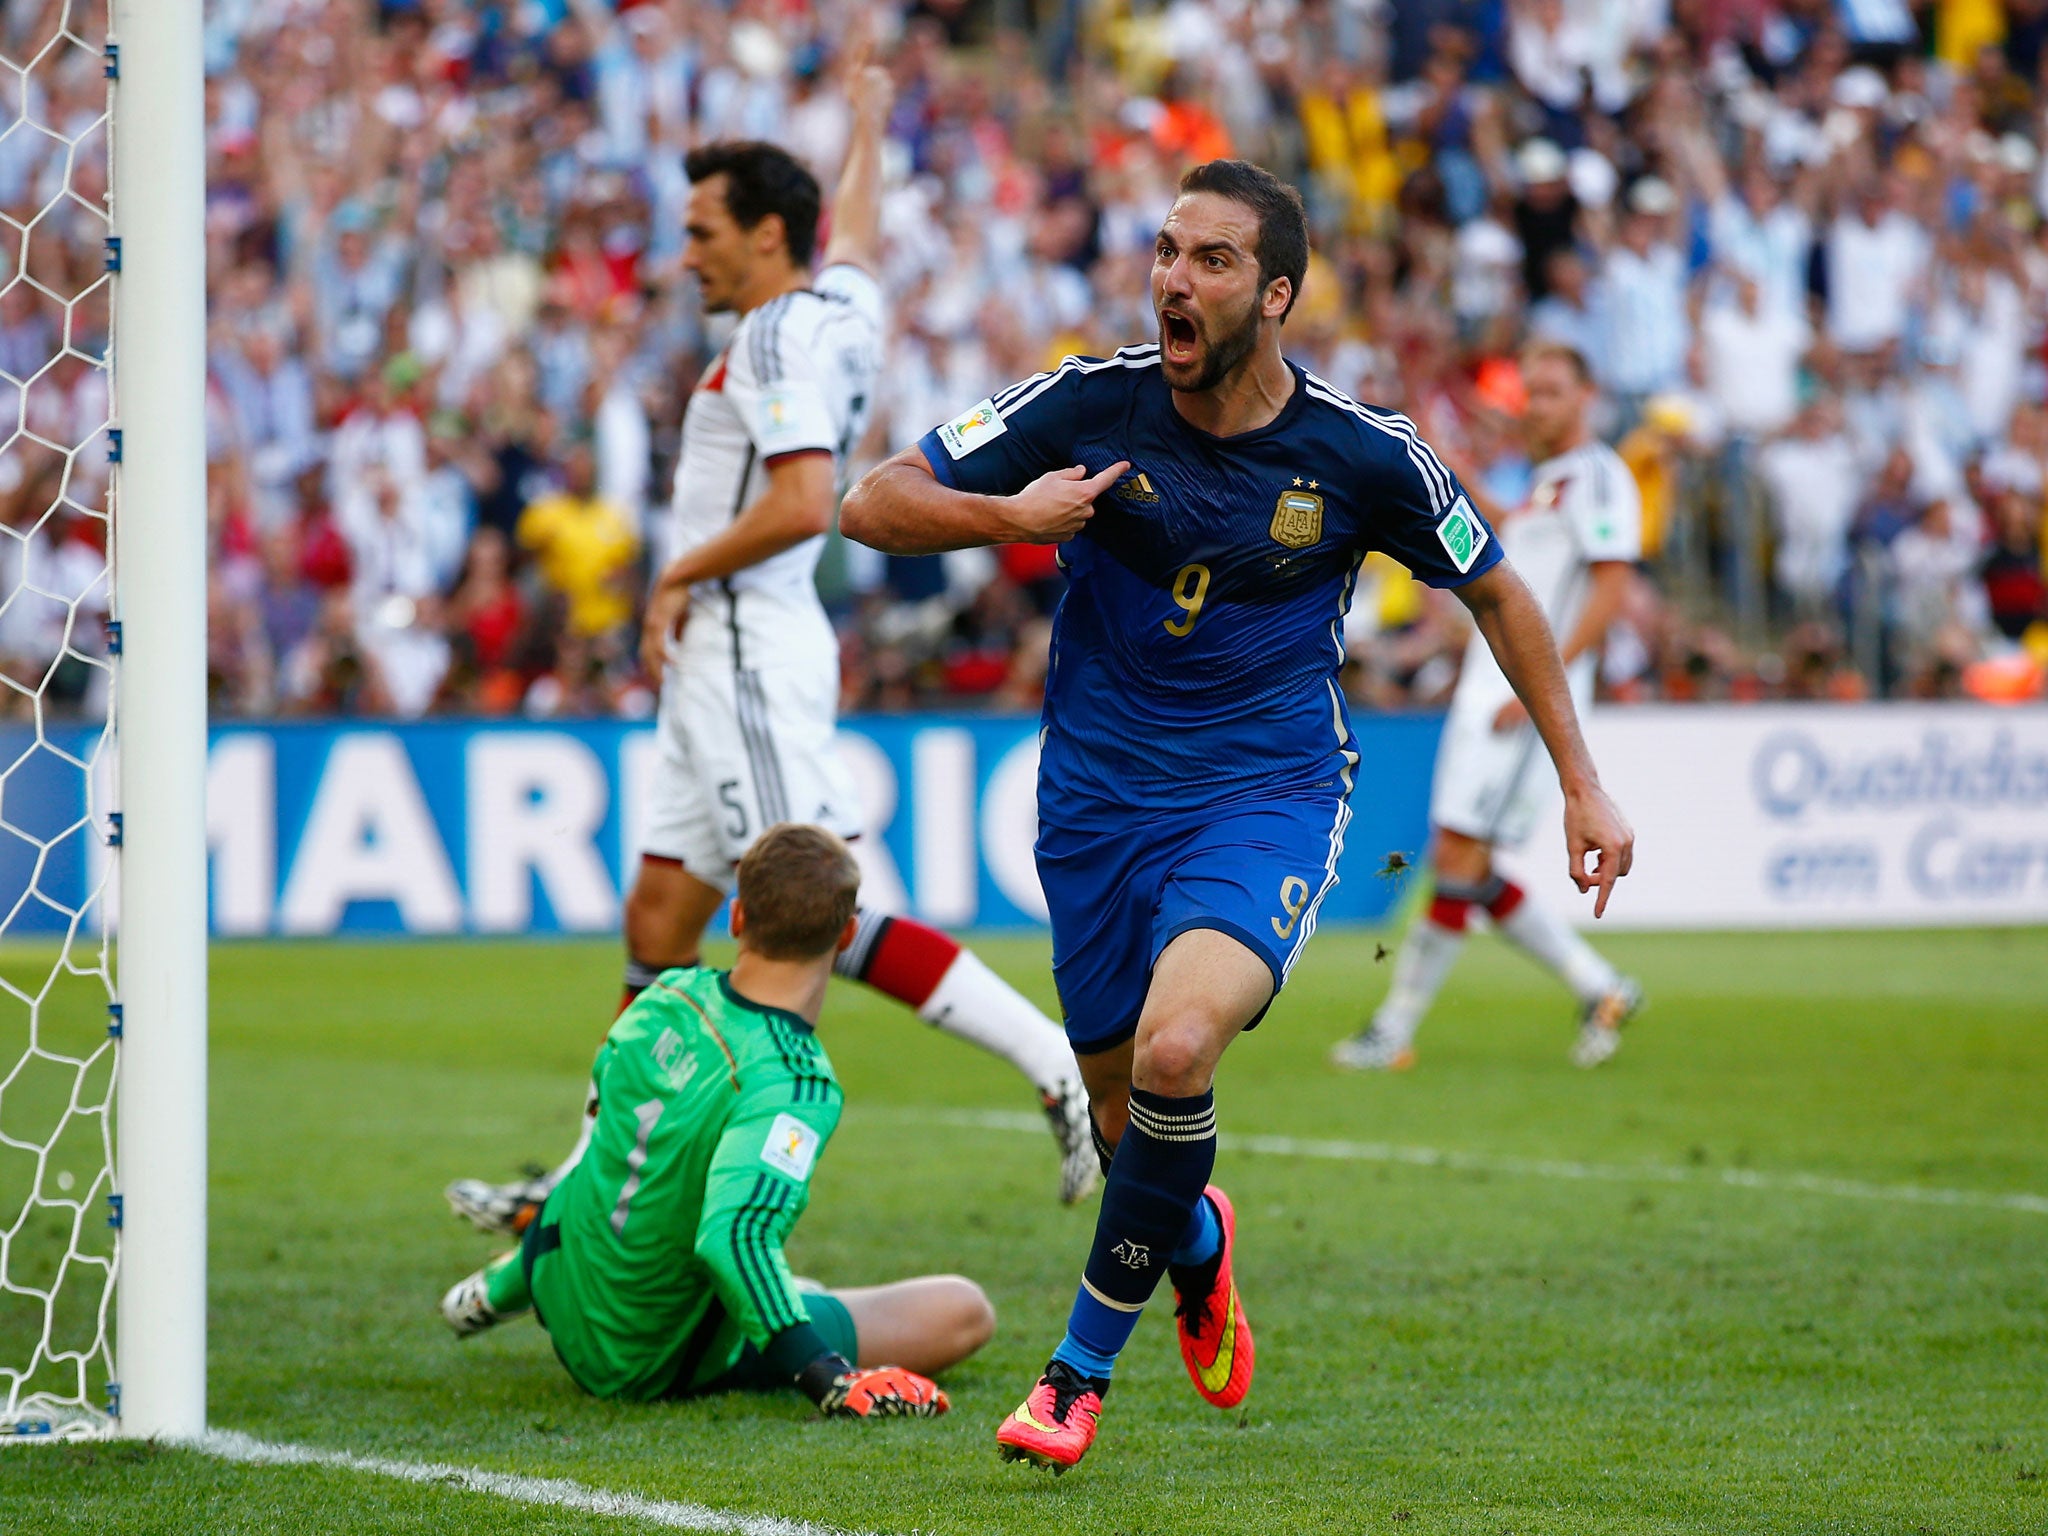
[[394, 559], [2014, 586], [1565, 312], [1751, 353], [1810, 477], [487, 614], [1941, 607], [1758, 232], [584, 548], [357, 274], [1877, 258], [1644, 327]]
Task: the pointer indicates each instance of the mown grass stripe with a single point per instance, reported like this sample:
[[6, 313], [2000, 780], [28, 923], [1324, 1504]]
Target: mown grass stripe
[[1787, 1182], [548, 1492]]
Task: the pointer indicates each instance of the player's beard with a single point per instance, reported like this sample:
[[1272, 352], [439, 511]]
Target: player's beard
[[1219, 355]]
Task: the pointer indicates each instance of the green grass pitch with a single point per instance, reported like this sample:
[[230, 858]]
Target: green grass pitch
[[1481, 1346]]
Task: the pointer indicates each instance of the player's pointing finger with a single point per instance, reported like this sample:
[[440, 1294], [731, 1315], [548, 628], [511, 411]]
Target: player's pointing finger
[[1107, 478], [1606, 873]]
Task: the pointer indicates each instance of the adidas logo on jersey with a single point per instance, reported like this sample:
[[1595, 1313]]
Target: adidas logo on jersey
[[1136, 487]]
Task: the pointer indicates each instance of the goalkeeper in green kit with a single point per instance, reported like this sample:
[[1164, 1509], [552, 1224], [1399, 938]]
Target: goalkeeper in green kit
[[656, 1265]]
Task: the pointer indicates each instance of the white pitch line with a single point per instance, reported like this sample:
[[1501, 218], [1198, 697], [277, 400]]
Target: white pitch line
[[549, 1492], [1533, 1168]]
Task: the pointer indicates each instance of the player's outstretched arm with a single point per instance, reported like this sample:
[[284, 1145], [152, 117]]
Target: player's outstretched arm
[[857, 205], [1508, 614], [901, 508]]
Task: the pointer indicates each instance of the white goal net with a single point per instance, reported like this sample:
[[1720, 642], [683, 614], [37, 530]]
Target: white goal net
[[59, 1021]]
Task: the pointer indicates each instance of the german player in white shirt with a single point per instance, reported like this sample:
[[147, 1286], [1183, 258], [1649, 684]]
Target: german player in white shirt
[[748, 661], [1574, 544]]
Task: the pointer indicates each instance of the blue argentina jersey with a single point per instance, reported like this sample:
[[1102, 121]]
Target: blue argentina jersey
[[1195, 653]]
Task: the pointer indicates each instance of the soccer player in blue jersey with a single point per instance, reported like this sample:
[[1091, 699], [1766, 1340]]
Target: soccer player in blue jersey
[[1214, 502]]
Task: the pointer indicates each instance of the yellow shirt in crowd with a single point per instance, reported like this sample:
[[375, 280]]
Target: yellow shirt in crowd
[[585, 548]]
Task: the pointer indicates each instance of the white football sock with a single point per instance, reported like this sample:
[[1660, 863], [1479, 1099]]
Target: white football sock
[[1427, 953], [1557, 945], [973, 1003]]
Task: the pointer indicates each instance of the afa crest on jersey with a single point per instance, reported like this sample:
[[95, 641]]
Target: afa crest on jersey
[[1297, 519]]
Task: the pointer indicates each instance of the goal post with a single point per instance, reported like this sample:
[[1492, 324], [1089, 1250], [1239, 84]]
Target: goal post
[[103, 732], [158, 352]]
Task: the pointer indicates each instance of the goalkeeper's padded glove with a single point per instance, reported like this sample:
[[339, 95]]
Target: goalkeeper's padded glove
[[884, 1392]]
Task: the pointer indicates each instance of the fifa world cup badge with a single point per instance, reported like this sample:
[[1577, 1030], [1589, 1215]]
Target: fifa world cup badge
[[791, 1147], [966, 433], [1297, 519]]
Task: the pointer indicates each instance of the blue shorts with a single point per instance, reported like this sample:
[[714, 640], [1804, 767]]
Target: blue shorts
[[1118, 896]]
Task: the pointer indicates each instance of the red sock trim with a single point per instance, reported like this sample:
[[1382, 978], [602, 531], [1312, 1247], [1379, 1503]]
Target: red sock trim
[[1449, 912], [1503, 905], [909, 960]]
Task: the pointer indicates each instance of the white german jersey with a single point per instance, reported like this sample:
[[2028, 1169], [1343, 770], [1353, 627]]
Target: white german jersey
[[798, 376], [1584, 509]]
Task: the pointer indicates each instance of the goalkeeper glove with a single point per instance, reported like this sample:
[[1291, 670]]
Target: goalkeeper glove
[[883, 1392]]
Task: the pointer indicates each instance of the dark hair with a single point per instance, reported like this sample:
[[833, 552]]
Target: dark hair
[[1283, 222], [761, 179], [797, 884], [1560, 351]]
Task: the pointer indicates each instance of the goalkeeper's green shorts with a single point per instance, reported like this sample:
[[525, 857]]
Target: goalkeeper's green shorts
[[712, 1356], [751, 1373]]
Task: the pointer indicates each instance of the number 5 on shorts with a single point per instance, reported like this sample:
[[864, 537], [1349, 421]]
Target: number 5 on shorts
[[736, 825], [1293, 897]]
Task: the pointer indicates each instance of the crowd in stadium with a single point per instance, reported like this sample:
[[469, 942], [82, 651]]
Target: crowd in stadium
[[450, 339]]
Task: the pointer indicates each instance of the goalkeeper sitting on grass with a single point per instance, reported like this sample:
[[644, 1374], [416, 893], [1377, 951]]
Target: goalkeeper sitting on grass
[[656, 1265]]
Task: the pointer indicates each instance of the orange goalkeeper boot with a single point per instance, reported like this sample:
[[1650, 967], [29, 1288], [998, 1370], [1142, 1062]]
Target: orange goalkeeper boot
[[1215, 1335], [1055, 1424]]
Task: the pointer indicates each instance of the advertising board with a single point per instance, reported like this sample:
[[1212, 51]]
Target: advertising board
[[444, 826], [1760, 816], [1822, 816]]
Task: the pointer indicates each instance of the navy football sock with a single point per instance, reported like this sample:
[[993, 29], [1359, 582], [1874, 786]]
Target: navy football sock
[[1148, 1208], [1202, 1240], [1104, 1152]]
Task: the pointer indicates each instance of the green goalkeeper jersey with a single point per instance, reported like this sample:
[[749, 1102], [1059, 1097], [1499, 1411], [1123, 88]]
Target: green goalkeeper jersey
[[659, 1257]]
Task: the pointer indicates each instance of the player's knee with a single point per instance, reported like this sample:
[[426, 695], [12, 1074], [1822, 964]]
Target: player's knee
[[977, 1322], [963, 1314], [1458, 858], [642, 913], [1173, 1059]]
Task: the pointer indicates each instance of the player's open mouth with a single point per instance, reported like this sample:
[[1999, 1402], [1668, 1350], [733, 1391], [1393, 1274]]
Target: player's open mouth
[[1179, 336]]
